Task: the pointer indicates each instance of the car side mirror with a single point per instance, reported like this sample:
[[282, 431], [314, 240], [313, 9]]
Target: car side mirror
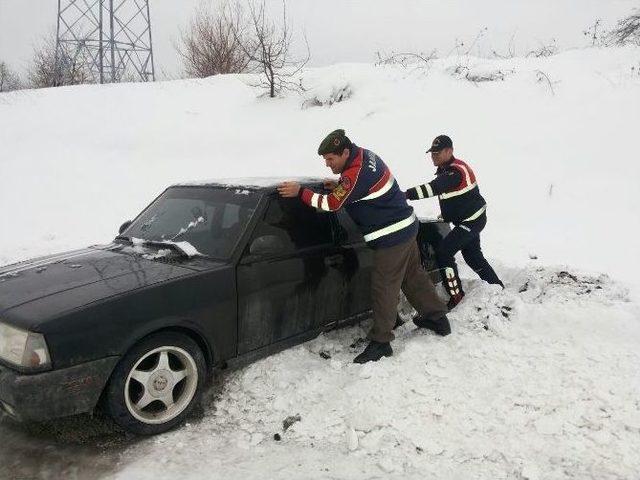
[[124, 226], [266, 244]]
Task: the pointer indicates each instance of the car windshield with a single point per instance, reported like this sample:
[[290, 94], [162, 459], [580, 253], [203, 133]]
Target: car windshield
[[209, 219]]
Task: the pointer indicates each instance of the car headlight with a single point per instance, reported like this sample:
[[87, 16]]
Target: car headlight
[[24, 349]]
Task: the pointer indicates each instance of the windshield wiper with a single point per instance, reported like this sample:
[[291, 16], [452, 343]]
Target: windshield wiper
[[123, 237], [183, 248]]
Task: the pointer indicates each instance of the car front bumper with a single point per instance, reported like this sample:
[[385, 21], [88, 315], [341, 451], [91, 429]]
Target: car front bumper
[[56, 393]]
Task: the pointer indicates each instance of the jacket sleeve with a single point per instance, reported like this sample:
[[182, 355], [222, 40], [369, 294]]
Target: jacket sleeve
[[347, 191], [439, 185]]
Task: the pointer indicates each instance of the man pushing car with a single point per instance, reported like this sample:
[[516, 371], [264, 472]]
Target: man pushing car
[[462, 204], [371, 196]]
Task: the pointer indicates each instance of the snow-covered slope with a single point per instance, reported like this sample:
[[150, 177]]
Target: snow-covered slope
[[558, 168], [547, 390]]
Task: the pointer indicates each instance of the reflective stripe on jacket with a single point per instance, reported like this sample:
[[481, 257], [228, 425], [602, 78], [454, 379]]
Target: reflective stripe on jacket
[[457, 190]]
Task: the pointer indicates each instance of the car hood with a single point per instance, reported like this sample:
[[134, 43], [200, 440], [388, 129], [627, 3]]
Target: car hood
[[80, 277]]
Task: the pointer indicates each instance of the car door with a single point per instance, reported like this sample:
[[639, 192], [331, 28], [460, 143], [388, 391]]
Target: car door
[[289, 276], [357, 267]]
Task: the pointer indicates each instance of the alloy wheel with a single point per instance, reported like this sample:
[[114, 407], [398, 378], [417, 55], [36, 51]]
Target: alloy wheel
[[161, 385]]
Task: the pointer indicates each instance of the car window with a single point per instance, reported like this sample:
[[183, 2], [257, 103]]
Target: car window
[[348, 231], [172, 218], [210, 219], [231, 215], [295, 224]]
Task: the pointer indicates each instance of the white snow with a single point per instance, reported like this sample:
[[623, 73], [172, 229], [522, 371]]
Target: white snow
[[184, 246], [251, 182], [539, 381], [549, 387]]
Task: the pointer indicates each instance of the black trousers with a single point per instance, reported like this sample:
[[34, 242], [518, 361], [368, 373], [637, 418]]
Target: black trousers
[[464, 238]]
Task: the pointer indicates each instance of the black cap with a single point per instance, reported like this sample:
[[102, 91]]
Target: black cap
[[440, 143], [335, 142]]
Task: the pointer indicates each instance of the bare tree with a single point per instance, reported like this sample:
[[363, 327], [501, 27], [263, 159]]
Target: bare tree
[[50, 70], [595, 33], [267, 46], [212, 43], [626, 31], [9, 80]]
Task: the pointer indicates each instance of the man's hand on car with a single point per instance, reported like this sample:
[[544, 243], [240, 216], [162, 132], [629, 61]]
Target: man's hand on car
[[289, 189]]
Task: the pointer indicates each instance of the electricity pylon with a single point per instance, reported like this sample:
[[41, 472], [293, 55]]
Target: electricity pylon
[[110, 38]]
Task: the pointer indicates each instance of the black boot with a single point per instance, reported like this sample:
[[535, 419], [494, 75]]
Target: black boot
[[441, 326], [455, 300], [374, 352]]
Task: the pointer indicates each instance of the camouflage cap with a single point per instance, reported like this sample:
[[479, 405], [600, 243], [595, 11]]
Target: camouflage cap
[[335, 142]]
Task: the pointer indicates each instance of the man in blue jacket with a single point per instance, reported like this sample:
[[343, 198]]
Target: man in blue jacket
[[457, 190], [371, 196]]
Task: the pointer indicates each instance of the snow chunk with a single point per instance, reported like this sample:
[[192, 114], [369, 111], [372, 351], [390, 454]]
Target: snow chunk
[[352, 439], [187, 248], [329, 86], [327, 96], [530, 472]]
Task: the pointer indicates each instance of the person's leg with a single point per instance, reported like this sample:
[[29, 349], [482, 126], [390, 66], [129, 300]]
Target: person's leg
[[421, 293], [386, 278], [472, 254], [452, 243], [419, 289], [388, 271]]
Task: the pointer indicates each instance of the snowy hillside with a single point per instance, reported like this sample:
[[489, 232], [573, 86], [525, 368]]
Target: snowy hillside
[[539, 381], [558, 170]]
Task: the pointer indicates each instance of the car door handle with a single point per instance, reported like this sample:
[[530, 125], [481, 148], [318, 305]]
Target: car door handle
[[333, 260]]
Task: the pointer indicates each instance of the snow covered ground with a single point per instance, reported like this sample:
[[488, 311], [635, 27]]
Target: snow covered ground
[[538, 381], [541, 384]]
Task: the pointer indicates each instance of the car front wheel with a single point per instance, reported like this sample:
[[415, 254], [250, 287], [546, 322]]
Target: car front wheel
[[156, 384]]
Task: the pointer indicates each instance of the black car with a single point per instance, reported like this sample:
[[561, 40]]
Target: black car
[[207, 276]]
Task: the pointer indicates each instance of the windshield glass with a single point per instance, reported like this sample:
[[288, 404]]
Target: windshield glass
[[210, 219]]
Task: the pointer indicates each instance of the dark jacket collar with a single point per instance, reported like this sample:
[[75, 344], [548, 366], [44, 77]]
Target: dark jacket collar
[[353, 153]]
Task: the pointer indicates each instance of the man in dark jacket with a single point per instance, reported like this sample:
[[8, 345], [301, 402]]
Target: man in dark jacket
[[371, 196], [461, 204]]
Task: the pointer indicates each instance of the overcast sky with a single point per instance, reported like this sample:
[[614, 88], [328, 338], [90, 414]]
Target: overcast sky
[[353, 30]]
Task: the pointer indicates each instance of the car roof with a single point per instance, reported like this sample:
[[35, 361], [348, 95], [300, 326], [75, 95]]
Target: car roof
[[264, 184]]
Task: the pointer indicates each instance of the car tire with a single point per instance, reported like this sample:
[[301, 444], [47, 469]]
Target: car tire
[[156, 384]]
